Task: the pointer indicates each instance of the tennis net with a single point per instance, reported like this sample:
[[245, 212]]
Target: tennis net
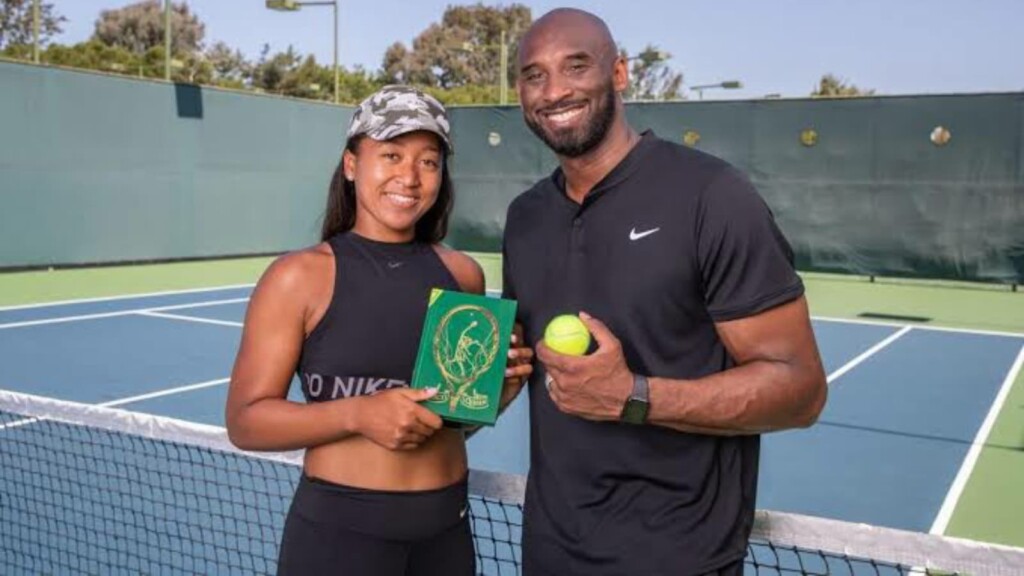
[[93, 490]]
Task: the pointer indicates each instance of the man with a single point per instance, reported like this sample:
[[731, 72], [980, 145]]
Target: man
[[644, 453]]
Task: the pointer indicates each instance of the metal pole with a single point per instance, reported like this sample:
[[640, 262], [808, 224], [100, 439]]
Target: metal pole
[[167, 40], [503, 90], [35, 31], [336, 95]]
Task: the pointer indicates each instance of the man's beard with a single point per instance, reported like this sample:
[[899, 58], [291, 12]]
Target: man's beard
[[576, 143]]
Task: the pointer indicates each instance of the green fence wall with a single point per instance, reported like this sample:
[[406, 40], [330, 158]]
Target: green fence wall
[[100, 169], [96, 168], [873, 195]]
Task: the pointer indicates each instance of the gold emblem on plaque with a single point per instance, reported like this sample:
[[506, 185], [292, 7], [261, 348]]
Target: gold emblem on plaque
[[465, 347]]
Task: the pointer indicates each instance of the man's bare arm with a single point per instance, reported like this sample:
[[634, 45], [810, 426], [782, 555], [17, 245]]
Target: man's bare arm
[[778, 381]]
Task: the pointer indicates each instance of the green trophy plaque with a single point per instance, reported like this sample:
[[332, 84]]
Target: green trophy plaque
[[463, 352]]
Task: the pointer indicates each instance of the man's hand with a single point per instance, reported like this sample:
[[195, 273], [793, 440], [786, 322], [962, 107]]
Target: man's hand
[[595, 386], [518, 368]]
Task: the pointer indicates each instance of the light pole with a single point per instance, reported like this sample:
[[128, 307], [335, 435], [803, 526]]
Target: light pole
[[294, 6], [503, 85], [35, 31], [502, 47], [167, 40], [728, 85]]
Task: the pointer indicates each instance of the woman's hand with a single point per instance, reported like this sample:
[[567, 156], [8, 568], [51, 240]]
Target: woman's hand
[[395, 419]]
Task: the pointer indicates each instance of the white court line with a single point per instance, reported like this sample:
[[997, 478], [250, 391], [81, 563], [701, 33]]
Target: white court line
[[124, 297], [967, 467], [190, 318], [488, 292], [131, 399], [167, 392], [119, 313], [918, 327], [867, 354]]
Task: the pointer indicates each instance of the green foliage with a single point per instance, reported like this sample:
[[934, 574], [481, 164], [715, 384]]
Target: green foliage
[[463, 49], [190, 68], [290, 74], [468, 95], [230, 68], [831, 86], [16, 23], [91, 55], [357, 84], [17, 52], [269, 72], [650, 77], [457, 60], [140, 26]]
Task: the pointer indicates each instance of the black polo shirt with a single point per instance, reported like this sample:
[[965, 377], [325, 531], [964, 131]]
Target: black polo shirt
[[671, 241]]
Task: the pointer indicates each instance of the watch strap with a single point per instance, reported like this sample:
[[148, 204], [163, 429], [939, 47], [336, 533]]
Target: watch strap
[[634, 411]]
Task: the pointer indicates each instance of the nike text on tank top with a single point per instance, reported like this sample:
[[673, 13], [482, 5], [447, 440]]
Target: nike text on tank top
[[368, 338]]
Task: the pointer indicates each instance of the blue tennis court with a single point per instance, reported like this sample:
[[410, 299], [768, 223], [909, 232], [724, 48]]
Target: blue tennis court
[[907, 407]]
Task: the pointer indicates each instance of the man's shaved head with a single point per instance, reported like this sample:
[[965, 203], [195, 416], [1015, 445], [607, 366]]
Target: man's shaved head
[[588, 28], [570, 78]]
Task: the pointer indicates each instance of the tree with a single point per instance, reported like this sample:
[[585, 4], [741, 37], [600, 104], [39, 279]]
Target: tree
[[191, 68], [307, 79], [230, 68], [16, 22], [831, 86], [468, 94], [463, 49], [93, 55], [394, 69], [291, 74], [140, 26], [269, 72], [651, 78], [357, 84]]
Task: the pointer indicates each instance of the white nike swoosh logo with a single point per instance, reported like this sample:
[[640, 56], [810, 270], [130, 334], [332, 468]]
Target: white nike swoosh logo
[[634, 235], [394, 264]]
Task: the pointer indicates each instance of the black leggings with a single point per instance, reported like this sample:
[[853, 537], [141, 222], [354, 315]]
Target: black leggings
[[335, 529]]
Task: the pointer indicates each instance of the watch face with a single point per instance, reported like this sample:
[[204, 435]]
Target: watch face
[[635, 411]]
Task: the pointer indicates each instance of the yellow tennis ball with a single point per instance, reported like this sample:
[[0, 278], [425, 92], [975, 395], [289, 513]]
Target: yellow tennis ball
[[567, 334]]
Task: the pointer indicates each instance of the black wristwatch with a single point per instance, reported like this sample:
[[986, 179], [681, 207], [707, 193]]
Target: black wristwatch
[[638, 403]]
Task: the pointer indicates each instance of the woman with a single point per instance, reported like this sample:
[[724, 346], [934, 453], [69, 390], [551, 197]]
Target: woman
[[383, 489]]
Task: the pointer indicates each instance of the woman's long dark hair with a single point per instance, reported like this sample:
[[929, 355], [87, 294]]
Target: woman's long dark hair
[[340, 215]]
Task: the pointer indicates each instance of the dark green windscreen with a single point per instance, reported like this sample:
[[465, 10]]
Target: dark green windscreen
[[97, 169], [103, 169]]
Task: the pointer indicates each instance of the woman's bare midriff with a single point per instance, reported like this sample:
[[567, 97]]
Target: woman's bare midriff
[[360, 462]]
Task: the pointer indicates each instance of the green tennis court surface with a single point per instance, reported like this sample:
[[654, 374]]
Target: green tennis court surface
[[924, 429]]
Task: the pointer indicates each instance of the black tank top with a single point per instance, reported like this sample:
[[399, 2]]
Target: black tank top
[[368, 338]]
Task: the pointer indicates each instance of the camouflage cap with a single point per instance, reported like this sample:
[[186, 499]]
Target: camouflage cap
[[395, 110]]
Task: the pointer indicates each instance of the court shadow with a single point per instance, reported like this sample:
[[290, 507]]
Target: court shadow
[[930, 437]]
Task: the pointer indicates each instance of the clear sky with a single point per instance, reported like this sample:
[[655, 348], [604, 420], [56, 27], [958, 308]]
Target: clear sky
[[772, 46]]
